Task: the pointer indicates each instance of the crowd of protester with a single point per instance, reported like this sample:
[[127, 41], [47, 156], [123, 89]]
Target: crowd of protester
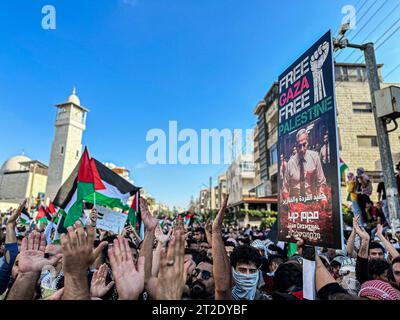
[[199, 260]]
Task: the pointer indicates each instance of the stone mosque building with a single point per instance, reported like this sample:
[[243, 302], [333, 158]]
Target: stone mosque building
[[22, 177]]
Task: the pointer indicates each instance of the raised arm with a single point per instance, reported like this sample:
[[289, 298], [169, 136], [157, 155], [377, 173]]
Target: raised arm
[[12, 222], [31, 263], [388, 246], [162, 241], [322, 275], [150, 224], [78, 255], [362, 256], [350, 241], [221, 264]]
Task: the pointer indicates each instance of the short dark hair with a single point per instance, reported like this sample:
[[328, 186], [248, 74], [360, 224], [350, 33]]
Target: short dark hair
[[377, 268], [245, 253], [199, 229], [390, 273], [335, 264], [275, 258], [396, 260], [229, 244], [204, 259], [375, 245], [287, 277]]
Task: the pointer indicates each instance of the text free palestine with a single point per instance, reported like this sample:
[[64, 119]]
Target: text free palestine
[[306, 116]]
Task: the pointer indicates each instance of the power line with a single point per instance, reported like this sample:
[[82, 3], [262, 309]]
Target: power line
[[369, 20], [393, 70], [362, 6], [381, 37], [362, 28], [338, 29], [383, 20], [391, 35]]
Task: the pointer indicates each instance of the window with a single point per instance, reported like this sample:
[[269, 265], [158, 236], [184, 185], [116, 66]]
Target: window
[[77, 153], [62, 150], [274, 155], [247, 166], [362, 107], [350, 73], [367, 141]]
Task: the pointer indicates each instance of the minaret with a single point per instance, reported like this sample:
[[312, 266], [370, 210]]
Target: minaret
[[66, 149]]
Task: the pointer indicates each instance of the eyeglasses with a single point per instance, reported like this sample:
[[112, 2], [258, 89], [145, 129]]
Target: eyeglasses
[[205, 275]]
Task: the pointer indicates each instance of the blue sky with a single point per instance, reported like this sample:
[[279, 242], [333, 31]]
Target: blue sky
[[138, 64]]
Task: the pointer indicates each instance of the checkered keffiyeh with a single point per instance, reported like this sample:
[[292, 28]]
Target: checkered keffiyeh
[[380, 290]]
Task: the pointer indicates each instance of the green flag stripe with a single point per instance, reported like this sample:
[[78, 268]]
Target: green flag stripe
[[75, 211]]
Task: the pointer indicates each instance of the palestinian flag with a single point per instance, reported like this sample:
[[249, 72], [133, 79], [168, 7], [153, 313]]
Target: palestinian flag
[[41, 215], [343, 167], [25, 218], [91, 182], [50, 208], [133, 214]]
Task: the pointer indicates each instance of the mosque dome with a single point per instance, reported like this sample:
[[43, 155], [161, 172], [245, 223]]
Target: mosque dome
[[13, 164], [73, 98]]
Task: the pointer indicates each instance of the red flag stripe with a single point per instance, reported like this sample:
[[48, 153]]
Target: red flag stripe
[[98, 184], [85, 173]]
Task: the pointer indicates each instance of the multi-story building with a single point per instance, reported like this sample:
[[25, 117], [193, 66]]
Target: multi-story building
[[265, 148], [204, 203], [358, 143], [240, 178], [221, 189], [122, 171]]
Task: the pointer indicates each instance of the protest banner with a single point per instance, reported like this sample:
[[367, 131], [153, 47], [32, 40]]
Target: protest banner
[[110, 220], [309, 189]]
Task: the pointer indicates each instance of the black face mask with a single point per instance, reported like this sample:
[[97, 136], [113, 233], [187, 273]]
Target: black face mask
[[198, 290]]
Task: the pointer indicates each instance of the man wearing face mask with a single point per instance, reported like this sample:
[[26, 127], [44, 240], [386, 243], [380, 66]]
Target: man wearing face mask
[[245, 262]]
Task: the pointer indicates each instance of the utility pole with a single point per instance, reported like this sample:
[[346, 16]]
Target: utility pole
[[383, 138], [381, 130]]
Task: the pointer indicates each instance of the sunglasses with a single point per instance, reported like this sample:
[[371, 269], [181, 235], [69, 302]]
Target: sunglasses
[[205, 275]]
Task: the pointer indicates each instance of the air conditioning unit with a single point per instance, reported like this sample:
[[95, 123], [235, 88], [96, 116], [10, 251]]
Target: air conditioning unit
[[388, 102]]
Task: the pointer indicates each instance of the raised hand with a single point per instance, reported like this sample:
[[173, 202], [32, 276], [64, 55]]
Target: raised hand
[[217, 224], [319, 57], [150, 222], [16, 213], [31, 258], [361, 232], [317, 61], [379, 230], [173, 271], [129, 279], [77, 248], [160, 236], [356, 222], [98, 287]]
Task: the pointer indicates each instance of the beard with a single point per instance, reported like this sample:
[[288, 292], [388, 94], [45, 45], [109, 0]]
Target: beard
[[198, 290]]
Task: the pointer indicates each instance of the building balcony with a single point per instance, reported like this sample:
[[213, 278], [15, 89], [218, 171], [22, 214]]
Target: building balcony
[[273, 169], [273, 137]]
